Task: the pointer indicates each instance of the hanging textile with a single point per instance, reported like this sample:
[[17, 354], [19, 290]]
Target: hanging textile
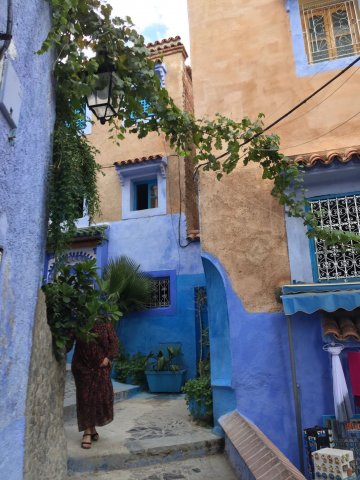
[[343, 411]]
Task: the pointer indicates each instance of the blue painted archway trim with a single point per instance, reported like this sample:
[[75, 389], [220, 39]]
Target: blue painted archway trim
[[219, 333]]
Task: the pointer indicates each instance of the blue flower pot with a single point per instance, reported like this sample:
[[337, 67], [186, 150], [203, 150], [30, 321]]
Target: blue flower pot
[[165, 382], [197, 409]]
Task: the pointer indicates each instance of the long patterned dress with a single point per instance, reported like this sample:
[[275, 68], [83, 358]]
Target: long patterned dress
[[94, 390]]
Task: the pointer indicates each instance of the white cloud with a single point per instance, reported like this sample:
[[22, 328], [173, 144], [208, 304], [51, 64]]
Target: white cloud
[[147, 13]]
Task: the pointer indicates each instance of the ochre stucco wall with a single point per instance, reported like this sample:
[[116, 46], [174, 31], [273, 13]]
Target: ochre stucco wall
[[243, 64], [177, 84]]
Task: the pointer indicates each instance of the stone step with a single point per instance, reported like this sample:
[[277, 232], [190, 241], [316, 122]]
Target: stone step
[[122, 392], [214, 467], [147, 430]]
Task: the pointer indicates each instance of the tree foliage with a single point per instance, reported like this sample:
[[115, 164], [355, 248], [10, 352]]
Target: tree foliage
[[77, 297], [82, 30], [74, 304], [126, 285]]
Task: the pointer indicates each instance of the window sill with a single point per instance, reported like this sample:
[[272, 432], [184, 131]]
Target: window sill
[[305, 69], [149, 212]]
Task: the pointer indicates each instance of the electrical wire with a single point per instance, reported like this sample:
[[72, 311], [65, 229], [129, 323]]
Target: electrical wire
[[323, 134], [322, 69], [322, 101], [8, 35], [296, 107], [289, 112], [180, 201]]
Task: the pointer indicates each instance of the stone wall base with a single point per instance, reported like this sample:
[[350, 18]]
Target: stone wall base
[[45, 442]]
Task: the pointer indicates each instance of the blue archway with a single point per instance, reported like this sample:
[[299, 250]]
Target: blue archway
[[219, 333]]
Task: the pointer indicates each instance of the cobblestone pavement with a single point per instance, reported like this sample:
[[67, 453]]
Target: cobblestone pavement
[[214, 467], [151, 438]]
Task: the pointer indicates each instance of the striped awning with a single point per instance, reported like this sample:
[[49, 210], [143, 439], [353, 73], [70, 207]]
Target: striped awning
[[312, 297]]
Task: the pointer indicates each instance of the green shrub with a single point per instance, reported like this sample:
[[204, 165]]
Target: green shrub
[[165, 361], [198, 397], [131, 368]]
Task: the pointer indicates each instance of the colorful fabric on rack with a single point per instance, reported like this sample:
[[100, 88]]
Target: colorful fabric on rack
[[354, 369]]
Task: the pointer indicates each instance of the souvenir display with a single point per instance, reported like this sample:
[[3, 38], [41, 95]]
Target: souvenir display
[[334, 464], [316, 438]]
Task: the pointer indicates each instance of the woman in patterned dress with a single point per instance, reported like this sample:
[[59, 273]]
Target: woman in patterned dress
[[91, 367]]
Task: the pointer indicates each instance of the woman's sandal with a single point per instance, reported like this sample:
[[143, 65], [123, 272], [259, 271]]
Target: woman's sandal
[[84, 444], [95, 436]]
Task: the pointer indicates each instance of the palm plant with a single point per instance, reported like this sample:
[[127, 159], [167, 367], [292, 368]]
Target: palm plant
[[126, 285]]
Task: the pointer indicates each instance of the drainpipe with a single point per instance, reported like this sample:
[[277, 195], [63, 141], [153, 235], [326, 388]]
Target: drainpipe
[[8, 35], [296, 394]]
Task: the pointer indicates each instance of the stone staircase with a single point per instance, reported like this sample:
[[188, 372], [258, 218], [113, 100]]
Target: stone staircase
[[151, 438]]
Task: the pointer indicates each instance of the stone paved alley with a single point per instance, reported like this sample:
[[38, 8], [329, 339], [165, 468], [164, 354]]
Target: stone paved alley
[[152, 438]]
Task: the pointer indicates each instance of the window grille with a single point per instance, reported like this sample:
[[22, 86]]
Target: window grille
[[160, 297], [337, 262], [330, 28]]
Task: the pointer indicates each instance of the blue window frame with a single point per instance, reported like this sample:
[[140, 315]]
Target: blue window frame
[[145, 194], [168, 276], [336, 263], [146, 107]]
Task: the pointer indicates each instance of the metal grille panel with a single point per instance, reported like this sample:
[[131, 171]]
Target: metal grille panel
[[331, 29], [337, 261], [160, 297]]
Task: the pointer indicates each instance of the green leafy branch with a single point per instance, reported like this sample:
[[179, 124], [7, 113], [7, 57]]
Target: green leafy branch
[[82, 31], [74, 304]]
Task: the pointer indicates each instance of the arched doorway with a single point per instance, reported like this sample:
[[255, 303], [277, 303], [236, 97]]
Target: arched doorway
[[219, 334]]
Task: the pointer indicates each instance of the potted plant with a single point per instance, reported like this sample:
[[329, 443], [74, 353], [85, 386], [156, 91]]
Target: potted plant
[[131, 369], [198, 397], [164, 374]]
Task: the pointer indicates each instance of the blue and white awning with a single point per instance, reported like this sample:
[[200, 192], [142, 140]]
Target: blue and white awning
[[311, 297]]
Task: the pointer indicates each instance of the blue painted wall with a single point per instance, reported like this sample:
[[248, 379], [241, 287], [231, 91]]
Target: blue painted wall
[[258, 350], [23, 170], [143, 333], [152, 241]]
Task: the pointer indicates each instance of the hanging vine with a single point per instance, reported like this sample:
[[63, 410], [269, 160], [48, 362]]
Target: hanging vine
[[82, 30]]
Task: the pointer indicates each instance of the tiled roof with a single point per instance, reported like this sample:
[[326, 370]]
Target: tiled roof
[[326, 158], [132, 161], [167, 45], [342, 324]]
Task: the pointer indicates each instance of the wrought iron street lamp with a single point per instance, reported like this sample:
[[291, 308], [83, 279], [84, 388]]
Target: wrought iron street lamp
[[100, 99]]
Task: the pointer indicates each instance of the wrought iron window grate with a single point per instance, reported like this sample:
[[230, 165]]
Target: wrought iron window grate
[[160, 297], [331, 29], [337, 261]]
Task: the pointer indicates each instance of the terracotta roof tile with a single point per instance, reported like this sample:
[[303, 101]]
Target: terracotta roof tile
[[132, 161], [342, 324], [326, 158], [167, 45]]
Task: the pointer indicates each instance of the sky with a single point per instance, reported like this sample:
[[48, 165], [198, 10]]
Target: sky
[[156, 19]]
